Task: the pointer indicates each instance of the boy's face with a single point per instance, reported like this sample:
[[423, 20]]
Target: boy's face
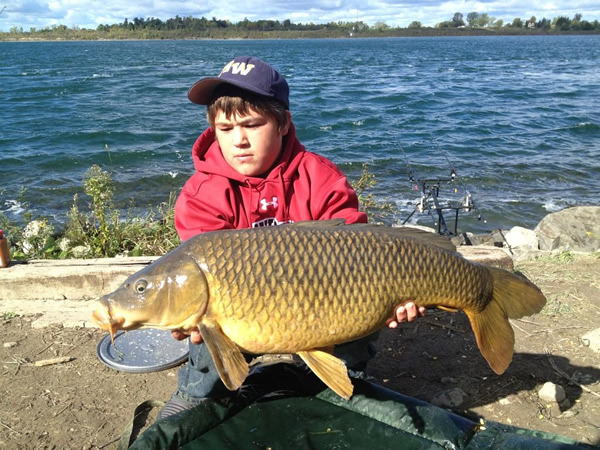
[[250, 144]]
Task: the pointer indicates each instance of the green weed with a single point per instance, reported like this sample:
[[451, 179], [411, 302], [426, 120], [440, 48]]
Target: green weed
[[368, 203], [565, 256], [101, 230], [98, 231]]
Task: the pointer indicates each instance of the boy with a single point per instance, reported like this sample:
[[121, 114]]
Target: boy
[[251, 171]]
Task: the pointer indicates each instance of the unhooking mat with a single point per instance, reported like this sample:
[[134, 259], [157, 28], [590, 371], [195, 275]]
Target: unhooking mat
[[297, 414]]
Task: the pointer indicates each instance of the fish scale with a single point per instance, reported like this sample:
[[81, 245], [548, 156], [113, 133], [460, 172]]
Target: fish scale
[[285, 277], [306, 287]]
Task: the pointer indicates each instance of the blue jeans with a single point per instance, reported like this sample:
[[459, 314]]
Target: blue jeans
[[199, 378]]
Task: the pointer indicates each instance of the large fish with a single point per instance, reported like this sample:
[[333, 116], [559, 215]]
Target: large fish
[[306, 287]]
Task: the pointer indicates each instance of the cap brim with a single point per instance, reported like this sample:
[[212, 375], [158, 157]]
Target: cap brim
[[201, 92]]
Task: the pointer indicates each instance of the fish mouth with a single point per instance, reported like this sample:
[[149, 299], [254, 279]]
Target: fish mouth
[[106, 321]]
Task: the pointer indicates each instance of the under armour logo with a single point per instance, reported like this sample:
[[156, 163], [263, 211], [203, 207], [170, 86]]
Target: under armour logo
[[264, 204]]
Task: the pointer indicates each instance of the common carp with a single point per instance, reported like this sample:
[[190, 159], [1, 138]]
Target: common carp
[[303, 288]]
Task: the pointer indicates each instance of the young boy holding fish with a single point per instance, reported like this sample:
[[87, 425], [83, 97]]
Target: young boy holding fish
[[251, 171]]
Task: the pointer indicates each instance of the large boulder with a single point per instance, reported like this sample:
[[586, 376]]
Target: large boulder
[[573, 229]]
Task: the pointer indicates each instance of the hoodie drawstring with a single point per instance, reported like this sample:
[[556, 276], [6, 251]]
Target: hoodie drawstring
[[251, 203], [285, 201]]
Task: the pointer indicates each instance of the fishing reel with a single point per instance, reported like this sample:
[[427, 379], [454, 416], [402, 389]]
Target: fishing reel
[[430, 202]]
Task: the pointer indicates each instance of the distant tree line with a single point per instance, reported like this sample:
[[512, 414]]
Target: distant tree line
[[193, 27], [481, 20], [204, 24]]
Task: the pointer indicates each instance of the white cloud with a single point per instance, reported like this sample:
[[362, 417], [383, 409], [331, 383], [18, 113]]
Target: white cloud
[[90, 13]]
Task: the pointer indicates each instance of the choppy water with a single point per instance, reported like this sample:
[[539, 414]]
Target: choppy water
[[518, 117]]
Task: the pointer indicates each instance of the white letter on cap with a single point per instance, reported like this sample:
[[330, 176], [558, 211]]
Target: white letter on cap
[[242, 68]]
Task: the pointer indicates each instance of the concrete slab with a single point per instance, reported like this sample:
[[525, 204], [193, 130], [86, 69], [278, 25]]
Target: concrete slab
[[62, 291], [69, 279]]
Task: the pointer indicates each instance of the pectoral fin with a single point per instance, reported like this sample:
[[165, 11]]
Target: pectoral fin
[[229, 361], [331, 370]]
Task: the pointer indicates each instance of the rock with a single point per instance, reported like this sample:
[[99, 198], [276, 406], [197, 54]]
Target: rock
[[551, 392], [519, 255], [9, 344], [451, 398], [572, 229], [485, 254], [460, 239], [448, 380], [519, 238], [522, 243], [568, 414], [494, 239], [592, 340], [417, 227], [582, 378], [565, 404]]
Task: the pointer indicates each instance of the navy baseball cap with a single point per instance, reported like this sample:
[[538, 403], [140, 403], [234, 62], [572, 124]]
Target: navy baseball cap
[[245, 72]]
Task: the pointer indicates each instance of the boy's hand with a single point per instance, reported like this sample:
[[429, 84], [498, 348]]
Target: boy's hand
[[406, 313], [195, 336]]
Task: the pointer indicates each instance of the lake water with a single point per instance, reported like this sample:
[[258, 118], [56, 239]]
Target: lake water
[[517, 117]]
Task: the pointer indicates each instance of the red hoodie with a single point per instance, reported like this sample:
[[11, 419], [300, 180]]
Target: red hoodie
[[300, 186]]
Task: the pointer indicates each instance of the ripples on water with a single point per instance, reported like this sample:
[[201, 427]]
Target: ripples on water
[[518, 117]]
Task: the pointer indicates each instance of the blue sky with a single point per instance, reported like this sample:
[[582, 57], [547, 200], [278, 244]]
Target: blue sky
[[91, 13]]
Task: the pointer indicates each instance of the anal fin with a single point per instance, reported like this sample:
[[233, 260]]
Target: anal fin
[[331, 370], [447, 308], [229, 361]]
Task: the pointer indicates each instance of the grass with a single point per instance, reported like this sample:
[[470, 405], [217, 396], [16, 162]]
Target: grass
[[557, 306], [8, 315], [565, 256], [101, 230]]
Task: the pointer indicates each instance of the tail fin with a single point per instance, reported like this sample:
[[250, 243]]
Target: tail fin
[[513, 297]]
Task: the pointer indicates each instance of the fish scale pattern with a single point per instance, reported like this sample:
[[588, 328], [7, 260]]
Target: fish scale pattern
[[287, 289]]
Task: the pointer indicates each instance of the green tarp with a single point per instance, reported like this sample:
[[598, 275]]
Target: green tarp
[[302, 418]]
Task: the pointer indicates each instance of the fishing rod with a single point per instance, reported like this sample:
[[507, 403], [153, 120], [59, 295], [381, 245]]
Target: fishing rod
[[468, 199], [430, 202]]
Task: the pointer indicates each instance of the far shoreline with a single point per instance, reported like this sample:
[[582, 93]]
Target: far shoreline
[[93, 35]]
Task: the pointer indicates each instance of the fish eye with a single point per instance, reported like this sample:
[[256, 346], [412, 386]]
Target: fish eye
[[140, 286]]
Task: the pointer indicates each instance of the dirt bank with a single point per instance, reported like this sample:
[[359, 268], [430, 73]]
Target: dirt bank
[[83, 404]]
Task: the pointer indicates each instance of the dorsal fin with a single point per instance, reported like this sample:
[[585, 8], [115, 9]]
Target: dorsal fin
[[319, 223], [404, 232], [407, 232]]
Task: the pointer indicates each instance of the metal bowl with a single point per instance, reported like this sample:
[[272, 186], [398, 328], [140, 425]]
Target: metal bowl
[[144, 350]]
